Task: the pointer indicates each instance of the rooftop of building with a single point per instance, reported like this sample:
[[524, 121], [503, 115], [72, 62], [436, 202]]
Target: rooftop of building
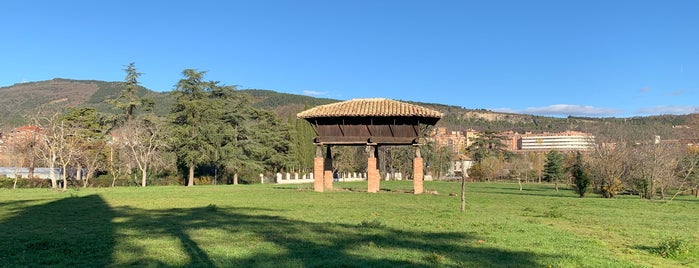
[[372, 107]]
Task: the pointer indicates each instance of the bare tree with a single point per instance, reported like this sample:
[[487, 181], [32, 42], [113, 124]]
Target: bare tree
[[69, 153], [143, 139], [92, 158], [115, 158], [653, 168], [609, 165], [519, 166], [688, 171], [492, 167], [16, 162], [538, 161], [51, 143]]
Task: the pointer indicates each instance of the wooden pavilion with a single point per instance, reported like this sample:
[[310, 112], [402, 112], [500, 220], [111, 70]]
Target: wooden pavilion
[[371, 123]]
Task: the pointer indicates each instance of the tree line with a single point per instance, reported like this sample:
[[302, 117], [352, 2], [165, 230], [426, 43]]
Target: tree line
[[211, 133], [214, 134], [649, 168]]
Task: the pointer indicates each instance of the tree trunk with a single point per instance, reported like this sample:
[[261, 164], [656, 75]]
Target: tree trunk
[[190, 178], [463, 193], [79, 174], [65, 178], [52, 174], [555, 184], [89, 175], [519, 181], [662, 193], [31, 168], [143, 176], [235, 179]]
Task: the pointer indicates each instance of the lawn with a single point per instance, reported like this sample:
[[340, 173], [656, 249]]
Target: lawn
[[292, 226]]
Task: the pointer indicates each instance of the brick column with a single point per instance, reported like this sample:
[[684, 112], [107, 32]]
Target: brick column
[[418, 172], [318, 169], [417, 175], [373, 176], [328, 169]]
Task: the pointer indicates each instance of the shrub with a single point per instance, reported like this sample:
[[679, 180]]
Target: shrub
[[434, 258], [553, 213], [581, 179], [375, 223], [673, 247]]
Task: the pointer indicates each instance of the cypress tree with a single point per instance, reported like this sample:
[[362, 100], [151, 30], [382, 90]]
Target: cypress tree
[[581, 179]]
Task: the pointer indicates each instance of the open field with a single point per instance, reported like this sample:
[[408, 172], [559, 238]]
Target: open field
[[291, 226]]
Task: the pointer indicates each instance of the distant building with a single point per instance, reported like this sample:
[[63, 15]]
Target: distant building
[[17, 136], [454, 140], [458, 141], [563, 141]]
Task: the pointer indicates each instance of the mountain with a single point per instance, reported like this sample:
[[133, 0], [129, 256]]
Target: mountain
[[19, 102]]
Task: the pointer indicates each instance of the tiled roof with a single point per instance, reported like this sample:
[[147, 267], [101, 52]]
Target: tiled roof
[[377, 107]]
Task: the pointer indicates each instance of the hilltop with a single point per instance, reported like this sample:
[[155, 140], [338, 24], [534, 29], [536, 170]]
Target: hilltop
[[19, 102]]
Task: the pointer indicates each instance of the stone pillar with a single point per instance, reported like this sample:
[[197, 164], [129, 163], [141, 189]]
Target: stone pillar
[[328, 169], [373, 176], [318, 169], [417, 172]]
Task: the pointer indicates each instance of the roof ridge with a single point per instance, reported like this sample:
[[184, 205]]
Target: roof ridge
[[377, 107]]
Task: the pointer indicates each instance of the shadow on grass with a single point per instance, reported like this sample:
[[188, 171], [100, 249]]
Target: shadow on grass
[[82, 231], [70, 232], [275, 241], [562, 193]]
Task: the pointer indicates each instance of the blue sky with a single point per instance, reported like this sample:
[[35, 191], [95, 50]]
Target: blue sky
[[555, 58]]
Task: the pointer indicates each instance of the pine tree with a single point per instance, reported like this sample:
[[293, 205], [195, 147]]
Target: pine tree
[[215, 127], [194, 122], [581, 179], [553, 169], [128, 100]]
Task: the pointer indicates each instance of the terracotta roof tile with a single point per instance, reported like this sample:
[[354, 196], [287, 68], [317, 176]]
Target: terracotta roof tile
[[378, 107]]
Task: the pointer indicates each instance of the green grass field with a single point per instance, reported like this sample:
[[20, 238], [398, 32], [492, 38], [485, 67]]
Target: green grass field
[[292, 226]]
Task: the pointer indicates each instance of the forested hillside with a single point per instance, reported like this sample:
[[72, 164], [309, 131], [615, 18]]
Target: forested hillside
[[18, 103], [210, 134]]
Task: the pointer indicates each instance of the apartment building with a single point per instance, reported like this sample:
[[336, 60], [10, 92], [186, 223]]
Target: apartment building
[[563, 141], [515, 142], [455, 140]]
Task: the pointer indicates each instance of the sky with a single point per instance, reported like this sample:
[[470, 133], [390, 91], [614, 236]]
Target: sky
[[554, 58]]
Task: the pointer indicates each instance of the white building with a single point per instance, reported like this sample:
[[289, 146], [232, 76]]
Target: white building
[[567, 141]]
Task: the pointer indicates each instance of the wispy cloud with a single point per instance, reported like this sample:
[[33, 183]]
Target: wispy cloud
[[569, 109], [644, 89], [314, 93], [677, 93], [669, 109], [564, 110], [504, 110]]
